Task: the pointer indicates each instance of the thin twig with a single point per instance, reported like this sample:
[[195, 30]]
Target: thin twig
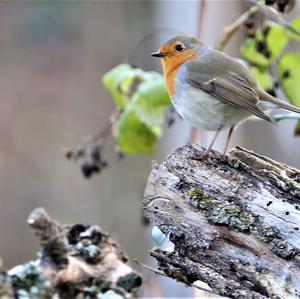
[[151, 269], [106, 130], [230, 30], [271, 13], [202, 14], [159, 272]]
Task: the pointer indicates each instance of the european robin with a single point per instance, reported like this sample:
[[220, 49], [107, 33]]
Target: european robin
[[211, 89]]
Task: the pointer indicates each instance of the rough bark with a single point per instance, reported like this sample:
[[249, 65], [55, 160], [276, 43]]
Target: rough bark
[[6, 291], [234, 220], [78, 261]]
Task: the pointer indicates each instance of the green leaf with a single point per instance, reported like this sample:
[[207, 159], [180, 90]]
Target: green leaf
[[264, 79], [134, 136], [123, 81], [277, 39], [249, 52], [114, 78], [295, 24], [150, 115], [150, 101], [142, 97], [155, 93], [289, 75], [273, 43]]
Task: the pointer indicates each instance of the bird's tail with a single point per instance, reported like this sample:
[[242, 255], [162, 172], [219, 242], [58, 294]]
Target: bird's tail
[[281, 104]]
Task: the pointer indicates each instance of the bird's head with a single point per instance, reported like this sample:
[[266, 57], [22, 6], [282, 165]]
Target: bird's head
[[179, 49], [176, 52]]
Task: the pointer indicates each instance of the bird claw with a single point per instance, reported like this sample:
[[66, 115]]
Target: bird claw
[[203, 155]]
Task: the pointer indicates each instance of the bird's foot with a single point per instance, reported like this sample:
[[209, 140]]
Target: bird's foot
[[202, 156]]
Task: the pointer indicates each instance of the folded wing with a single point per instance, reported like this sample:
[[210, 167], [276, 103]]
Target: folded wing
[[233, 87]]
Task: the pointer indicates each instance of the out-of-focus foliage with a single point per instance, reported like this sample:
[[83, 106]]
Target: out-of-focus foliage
[[265, 80], [249, 52], [142, 98], [295, 24], [289, 76], [267, 50], [268, 42]]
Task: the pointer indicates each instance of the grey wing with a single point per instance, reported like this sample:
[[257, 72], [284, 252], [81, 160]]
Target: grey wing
[[231, 88]]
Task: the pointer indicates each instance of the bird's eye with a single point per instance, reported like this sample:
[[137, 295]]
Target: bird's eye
[[179, 47]]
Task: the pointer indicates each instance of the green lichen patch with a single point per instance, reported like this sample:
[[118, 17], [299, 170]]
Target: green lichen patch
[[282, 248], [221, 212], [265, 234], [28, 281], [230, 214], [130, 281], [199, 198]]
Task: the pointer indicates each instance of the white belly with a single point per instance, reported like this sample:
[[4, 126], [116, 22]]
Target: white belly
[[205, 111]]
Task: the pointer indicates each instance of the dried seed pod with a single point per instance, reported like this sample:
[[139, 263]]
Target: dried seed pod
[[250, 28], [285, 6], [269, 2], [249, 23], [266, 30], [261, 46], [285, 74]]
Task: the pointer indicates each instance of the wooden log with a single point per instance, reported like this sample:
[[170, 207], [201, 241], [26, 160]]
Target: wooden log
[[234, 220]]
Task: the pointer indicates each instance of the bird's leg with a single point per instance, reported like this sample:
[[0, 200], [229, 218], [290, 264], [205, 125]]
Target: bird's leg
[[206, 152], [228, 138]]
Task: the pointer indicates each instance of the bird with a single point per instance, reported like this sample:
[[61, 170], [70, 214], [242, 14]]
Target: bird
[[210, 89]]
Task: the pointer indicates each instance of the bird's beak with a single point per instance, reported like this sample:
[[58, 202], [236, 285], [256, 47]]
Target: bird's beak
[[158, 54]]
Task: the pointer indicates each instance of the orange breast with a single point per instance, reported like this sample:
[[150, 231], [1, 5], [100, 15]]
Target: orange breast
[[171, 66], [170, 72]]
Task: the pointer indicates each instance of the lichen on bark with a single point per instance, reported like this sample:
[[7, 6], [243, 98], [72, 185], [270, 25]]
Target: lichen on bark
[[228, 213], [220, 212]]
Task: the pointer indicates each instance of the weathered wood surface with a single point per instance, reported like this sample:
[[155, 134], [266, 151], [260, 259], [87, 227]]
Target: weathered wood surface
[[234, 220]]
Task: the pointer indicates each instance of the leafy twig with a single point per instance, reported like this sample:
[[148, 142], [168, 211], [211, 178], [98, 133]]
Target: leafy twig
[[275, 16], [266, 10]]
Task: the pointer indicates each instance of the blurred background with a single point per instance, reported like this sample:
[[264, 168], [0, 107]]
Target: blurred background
[[53, 55]]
